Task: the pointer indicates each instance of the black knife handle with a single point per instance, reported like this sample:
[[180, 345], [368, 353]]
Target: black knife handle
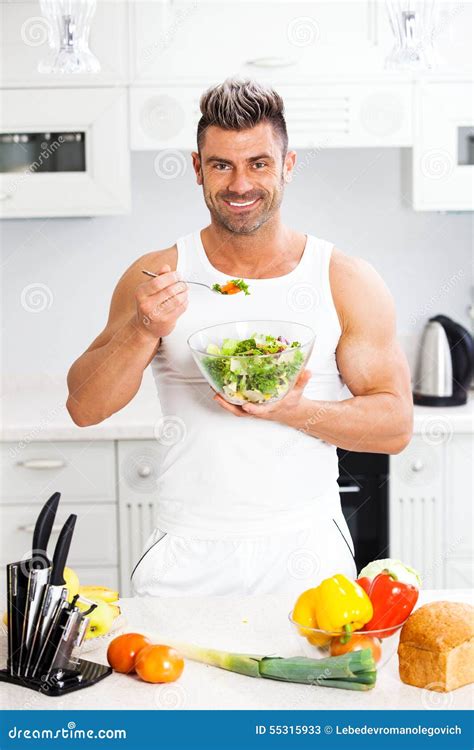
[[42, 531], [61, 551]]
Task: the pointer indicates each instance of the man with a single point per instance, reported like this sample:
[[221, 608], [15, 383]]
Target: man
[[247, 496]]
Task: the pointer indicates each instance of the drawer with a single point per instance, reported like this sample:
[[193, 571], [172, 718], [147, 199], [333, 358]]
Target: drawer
[[95, 536], [80, 470]]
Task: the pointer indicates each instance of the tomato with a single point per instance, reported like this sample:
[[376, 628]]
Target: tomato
[[356, 643], [122, 651], [158, 664]]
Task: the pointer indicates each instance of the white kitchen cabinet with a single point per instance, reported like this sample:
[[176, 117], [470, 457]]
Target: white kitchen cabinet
[[325, 115], [85, 474], [431, 501], [443, 149], [138, 469], [24, 42], [186, 41], [81, 471], [100, 186]]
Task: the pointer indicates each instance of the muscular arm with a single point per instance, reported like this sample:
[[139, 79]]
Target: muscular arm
[[379, 416], [109, 373]]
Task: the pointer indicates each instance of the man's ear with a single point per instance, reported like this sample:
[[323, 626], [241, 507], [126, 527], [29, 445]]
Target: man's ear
[[197, 166], [289, 165]]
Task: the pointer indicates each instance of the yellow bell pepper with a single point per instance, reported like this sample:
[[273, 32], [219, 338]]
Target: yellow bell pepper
[[305, 615], [341, 605]]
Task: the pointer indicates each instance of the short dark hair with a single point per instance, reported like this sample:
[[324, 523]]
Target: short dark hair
[[238, 105]]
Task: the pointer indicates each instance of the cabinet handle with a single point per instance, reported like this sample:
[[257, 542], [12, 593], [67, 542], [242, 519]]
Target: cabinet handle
[[42, 463], [29, 528], [417, 465], [144, 471], [271, 62], [350, 488]]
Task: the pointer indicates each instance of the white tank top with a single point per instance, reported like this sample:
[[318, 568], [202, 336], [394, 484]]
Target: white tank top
[[223, 476]]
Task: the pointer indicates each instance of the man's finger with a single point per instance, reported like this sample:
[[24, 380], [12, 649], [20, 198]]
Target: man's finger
[[233, 408]]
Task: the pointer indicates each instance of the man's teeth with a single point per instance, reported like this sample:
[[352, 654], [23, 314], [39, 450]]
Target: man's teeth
[[248, 203]]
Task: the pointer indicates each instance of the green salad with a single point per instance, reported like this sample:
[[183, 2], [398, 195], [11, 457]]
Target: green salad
[[244, 371]]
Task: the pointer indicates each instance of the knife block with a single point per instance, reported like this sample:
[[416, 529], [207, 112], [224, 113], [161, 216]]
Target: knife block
[[86, 674]]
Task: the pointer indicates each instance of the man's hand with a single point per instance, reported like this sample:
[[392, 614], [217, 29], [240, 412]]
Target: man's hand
[[160, 302], [283, 411]]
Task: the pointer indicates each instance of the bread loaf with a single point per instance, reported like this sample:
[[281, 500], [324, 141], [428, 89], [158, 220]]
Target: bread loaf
[[436, 649]]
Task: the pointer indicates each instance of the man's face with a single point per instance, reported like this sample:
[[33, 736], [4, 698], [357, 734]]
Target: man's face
[[242, 173]]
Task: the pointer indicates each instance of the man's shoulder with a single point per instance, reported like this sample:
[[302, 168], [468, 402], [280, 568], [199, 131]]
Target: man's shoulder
[[355, 283]]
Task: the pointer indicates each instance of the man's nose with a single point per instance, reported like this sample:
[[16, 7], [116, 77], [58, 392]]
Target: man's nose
[[240, 182]]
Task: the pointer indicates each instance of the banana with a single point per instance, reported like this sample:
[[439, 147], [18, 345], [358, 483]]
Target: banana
[[99, 593]]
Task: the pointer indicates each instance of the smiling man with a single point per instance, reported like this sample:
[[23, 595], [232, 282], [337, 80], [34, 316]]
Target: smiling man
[[247, 497]]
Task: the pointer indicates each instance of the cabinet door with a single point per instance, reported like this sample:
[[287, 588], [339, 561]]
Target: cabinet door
[[94, 543], [138, 469], [443, 152], [207, 41], [416, 509], [82, 471], [101, 184], [24, 42], [459, 495]]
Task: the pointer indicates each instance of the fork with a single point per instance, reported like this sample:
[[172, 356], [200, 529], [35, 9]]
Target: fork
[[198, 283]]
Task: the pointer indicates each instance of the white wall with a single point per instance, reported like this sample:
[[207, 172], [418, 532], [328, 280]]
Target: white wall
[[353, 197]]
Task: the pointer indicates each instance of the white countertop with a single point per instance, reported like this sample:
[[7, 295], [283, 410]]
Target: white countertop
[[34, 409], [256, 625]]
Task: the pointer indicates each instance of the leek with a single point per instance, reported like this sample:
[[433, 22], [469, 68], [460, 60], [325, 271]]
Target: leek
[[352, 671]]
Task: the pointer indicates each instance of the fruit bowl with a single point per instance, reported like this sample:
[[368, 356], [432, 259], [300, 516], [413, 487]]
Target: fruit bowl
[[277, 351], [321, 643]]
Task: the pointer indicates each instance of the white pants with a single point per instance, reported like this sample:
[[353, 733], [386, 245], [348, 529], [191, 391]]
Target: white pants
[[281, 563]]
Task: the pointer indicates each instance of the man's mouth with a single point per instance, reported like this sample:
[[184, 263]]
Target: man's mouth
[[240, 205]]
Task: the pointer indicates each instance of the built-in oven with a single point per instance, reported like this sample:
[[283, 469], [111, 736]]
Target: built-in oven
[[363, 487]]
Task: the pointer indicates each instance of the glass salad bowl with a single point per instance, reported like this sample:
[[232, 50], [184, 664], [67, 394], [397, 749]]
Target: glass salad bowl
[[321, 643], [252, 360]]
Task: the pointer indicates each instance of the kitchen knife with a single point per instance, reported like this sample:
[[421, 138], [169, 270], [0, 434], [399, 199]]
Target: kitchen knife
[[17, 587], [37, 576], [53, 593], [65, 634]]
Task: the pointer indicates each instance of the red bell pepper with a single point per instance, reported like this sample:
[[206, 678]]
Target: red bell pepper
[[392, 601]]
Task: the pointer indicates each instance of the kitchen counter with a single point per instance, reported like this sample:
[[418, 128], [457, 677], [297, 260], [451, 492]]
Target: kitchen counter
[[35, 410], [248, 624]]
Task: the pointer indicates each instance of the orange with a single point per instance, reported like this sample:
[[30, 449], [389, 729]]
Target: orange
[[122, 651], [158, 664]]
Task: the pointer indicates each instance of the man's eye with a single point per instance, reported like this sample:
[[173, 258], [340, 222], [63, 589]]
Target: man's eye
[[222, 167], [259, 164]]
